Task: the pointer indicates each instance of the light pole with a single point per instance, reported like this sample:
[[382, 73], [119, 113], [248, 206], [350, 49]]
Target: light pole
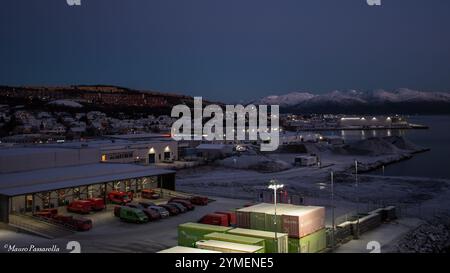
[[275, 186], [357, 199], [332, 210]]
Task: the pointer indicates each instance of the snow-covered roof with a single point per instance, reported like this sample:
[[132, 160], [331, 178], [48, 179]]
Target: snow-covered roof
[[20, 183], [206, 146]]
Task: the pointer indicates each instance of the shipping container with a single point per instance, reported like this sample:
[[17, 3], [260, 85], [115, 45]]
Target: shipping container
[[311, 243], [227, 247], [189, 233], [255, 217], [271, 245], [303, 221], [231, 216], [232, 238], [183, 249], [243, 215], [270, 217]]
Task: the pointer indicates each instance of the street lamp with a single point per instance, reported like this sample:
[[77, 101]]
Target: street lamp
[[357, 199], [332, 210], [275, 186]]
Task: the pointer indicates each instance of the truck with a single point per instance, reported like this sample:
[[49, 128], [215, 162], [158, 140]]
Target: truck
[[120, 197]]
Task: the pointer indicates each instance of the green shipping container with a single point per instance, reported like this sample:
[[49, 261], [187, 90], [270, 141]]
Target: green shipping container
[[190, 233], [269, 239], [312, 243], [258, 220], [226, 237]]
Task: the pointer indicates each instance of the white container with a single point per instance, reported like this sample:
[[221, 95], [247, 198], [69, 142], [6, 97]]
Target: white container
[[183, 249], [227, 247]]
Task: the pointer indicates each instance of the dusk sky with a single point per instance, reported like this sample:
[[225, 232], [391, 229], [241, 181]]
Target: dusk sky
[[228, 50]]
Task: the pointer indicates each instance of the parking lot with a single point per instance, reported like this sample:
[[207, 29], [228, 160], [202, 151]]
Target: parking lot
[[110, 234]]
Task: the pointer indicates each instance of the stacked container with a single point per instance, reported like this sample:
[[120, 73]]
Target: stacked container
[[271, 245], [183, 249], [312, 243], [303, 221], [227, 247], [189, 233], [225, 237]]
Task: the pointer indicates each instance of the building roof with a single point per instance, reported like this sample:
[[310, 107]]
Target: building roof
[[20, 183], [207, 146]]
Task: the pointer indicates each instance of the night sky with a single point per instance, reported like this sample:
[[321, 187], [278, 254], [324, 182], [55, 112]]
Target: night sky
[[228, 50]]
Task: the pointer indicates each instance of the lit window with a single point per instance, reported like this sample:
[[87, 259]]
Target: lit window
[[103, 157]]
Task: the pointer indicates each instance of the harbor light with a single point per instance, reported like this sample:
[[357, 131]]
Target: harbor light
[[275, 186]]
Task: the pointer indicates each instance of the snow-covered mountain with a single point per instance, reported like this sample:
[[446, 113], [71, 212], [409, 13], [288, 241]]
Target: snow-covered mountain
[[289, 99], [406, 100]]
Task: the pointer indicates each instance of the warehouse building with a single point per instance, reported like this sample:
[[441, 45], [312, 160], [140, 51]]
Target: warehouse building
[[38, 177]]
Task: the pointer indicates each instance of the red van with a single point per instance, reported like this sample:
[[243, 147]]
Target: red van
[[75, 223], [97, 203], [120, 197], [46, 213], [80, 206], [215, 219], [230, 215]]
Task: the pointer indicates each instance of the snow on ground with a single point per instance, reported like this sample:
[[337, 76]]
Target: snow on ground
[[67, 103], [414, 196]]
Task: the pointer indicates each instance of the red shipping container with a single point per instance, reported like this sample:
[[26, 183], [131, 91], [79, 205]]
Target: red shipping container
[[215, 219], [306, 220], [231, 216]]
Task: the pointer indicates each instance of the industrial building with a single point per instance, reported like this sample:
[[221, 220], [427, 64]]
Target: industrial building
[[45, 176]]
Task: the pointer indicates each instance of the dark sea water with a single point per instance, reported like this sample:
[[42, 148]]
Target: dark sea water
[[435, 163]]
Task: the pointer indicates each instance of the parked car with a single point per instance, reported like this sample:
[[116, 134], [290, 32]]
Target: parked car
[[80, 206], [97, 203], [120, 197], [146, 204], [75, 223], [149, 205], [173, 210], [128, 214], [215, 219], [199, 200], [179, 206], [162, 211], [151, 214], [149, 194], [187, 204], [117, 211]]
